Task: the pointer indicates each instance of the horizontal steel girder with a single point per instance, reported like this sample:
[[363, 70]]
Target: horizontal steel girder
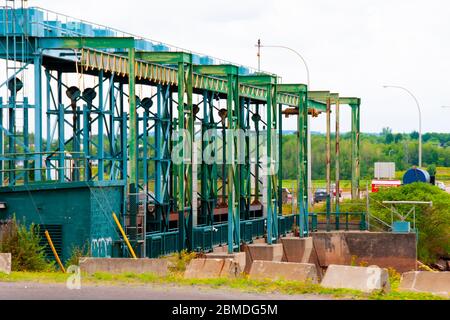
[[166, 75], [86, 42]]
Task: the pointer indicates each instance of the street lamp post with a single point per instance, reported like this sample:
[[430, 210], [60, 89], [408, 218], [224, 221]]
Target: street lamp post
[[420, 118], [308, 82]]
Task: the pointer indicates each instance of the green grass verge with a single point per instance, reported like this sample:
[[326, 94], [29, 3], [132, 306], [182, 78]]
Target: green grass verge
[[242, 284]]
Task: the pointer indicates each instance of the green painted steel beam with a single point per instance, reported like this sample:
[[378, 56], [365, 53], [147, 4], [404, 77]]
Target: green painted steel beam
[[313, 104], [319, 95], [292, 88], [350, 101], [86, 42], [164, 57], [258, 80], [217, 70], [251, 87]]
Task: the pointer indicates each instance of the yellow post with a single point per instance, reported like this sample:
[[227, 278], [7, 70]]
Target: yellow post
[[124, 236], [50, 242]]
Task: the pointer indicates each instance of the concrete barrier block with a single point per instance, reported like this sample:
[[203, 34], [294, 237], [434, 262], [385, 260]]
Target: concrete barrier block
[[239, 257], [431, 282], [262, 252], [303, 272], [5, 263], [117, 266], [298, 250], [356, 278], [212, 269]]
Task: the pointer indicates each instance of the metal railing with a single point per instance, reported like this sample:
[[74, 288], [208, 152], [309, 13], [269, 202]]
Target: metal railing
[[338, 221]]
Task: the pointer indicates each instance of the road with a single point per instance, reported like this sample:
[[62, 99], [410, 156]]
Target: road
[[36, 291]]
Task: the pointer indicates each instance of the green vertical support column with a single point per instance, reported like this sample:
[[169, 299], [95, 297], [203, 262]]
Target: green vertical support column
[[133, 150], [61, 143], [112, 133], [38, 116], [159, 141], [100, 122], [189, 126], [87, 130], [11, 139], [355, 150], [272, 188], [244, 157], [257, 119], [280, 159], [60, 130], [49, 117], [76, 146], [328, 161], [338, 162], [26, 140], [133, 118], [303, 200], [233, 150], [184, 170]]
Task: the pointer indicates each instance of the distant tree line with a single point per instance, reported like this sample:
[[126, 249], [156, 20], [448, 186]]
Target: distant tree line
[[403, 149], [383, 147]]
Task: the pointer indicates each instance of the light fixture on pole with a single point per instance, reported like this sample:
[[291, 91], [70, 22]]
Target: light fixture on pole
[[420, 118]]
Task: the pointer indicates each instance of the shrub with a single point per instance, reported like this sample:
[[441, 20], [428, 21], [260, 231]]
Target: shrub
[[76, 255], [433, 223], [24, 246], [181, 260]]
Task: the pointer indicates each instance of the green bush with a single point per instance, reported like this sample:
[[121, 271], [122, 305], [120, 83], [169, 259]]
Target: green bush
[[24, 246], [433, 223]]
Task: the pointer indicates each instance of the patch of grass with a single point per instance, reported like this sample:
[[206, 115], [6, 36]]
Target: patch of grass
[[181, 260], [243, 284]]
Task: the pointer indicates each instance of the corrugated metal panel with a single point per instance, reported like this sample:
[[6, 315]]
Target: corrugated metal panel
[[56, 235], [385, 170]]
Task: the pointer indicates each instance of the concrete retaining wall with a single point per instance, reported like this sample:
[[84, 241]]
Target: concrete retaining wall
[[356, 278], [5, 263], [431, 282], [118, 266], [212, 269], [386, 250], [303, 272]]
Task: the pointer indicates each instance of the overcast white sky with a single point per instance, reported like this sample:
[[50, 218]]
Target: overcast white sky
[[353, 47]]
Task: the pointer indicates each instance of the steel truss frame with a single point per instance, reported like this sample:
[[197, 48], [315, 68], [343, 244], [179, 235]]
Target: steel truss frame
[[130, 144]]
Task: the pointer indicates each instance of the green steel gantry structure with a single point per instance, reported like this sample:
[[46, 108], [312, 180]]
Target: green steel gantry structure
[[150, 122]]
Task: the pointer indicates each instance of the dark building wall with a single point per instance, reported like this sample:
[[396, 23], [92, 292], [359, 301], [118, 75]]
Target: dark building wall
[[83, 211]]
